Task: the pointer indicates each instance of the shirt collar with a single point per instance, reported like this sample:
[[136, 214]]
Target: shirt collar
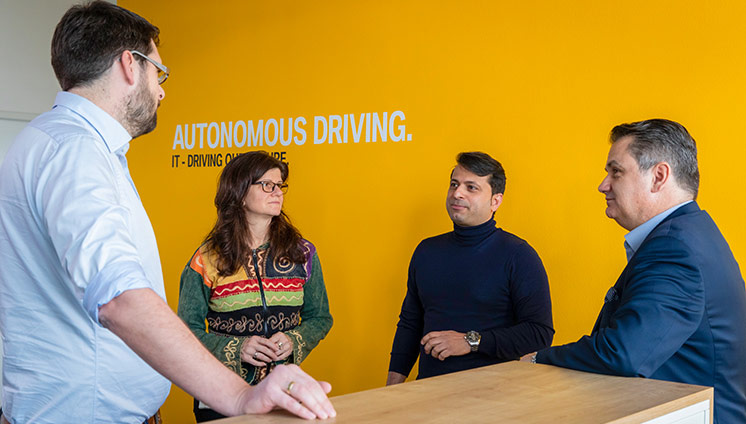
[[109, 129], [634, 238]]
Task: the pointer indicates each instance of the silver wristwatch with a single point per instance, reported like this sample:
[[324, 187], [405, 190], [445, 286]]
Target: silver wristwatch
[[473, 338]]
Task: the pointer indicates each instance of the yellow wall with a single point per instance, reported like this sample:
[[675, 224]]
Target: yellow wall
[[537, 84]]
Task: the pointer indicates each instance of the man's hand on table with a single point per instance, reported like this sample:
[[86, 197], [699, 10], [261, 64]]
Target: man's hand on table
[[531, 358], [395, 378], [288, 387]]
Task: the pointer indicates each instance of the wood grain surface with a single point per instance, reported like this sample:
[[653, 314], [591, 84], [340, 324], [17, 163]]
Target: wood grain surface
[[512, 392]]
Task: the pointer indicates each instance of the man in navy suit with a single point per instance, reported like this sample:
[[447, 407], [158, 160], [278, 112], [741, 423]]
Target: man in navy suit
[[678, 311]]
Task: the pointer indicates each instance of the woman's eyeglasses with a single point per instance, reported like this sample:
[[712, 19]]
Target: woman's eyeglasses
[[269, 186]]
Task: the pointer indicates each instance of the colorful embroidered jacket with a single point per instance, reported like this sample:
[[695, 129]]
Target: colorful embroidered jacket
[[233, 306]]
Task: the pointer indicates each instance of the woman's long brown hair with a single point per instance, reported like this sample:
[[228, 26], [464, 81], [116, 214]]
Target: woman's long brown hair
[[229, 238]]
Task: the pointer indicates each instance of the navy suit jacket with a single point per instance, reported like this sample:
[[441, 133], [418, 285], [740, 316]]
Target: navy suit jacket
[[677, 313]]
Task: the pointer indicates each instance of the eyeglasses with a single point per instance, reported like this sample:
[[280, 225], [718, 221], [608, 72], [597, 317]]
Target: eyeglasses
[[162, 70], [269, 186]]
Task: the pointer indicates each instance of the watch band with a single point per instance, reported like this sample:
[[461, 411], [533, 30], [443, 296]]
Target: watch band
[[473, 338]]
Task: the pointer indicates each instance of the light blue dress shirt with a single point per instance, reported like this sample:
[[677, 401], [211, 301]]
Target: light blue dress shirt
[[73, 235], [633, 239]]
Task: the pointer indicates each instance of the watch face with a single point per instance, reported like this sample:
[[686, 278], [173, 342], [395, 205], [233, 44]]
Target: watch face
[[472, 337]]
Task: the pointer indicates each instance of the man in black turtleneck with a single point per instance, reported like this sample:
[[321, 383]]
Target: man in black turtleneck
[[476, 296]]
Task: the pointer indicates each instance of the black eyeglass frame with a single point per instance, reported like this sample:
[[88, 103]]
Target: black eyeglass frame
[[271, 184]]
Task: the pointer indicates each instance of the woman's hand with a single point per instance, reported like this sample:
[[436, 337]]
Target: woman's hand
[[259, 351], [283, 345]]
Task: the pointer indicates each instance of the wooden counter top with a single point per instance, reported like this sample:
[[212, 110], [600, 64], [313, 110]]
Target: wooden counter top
[[512, 392]]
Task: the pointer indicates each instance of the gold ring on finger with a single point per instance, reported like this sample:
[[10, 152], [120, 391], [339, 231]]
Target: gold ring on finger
[[290, 386]]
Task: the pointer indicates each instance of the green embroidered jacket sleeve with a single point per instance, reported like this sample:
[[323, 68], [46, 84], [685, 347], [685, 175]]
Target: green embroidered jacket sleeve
[[194, 296], [316, 321]]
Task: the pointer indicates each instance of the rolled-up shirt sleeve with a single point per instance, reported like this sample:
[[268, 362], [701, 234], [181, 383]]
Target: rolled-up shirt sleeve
[[88, 222]]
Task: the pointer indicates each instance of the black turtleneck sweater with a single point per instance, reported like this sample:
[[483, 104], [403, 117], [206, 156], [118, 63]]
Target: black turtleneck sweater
[[477, 278]]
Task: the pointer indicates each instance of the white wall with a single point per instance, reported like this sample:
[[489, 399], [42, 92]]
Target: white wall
[[27, 82]]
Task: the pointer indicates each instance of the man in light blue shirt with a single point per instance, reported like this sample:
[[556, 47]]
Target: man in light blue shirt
[[87, 335]]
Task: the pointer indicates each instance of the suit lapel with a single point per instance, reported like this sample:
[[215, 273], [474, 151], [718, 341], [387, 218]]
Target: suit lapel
[[613, 297]]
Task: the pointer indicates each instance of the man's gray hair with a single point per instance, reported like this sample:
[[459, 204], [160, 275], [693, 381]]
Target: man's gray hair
[[661, 140]]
